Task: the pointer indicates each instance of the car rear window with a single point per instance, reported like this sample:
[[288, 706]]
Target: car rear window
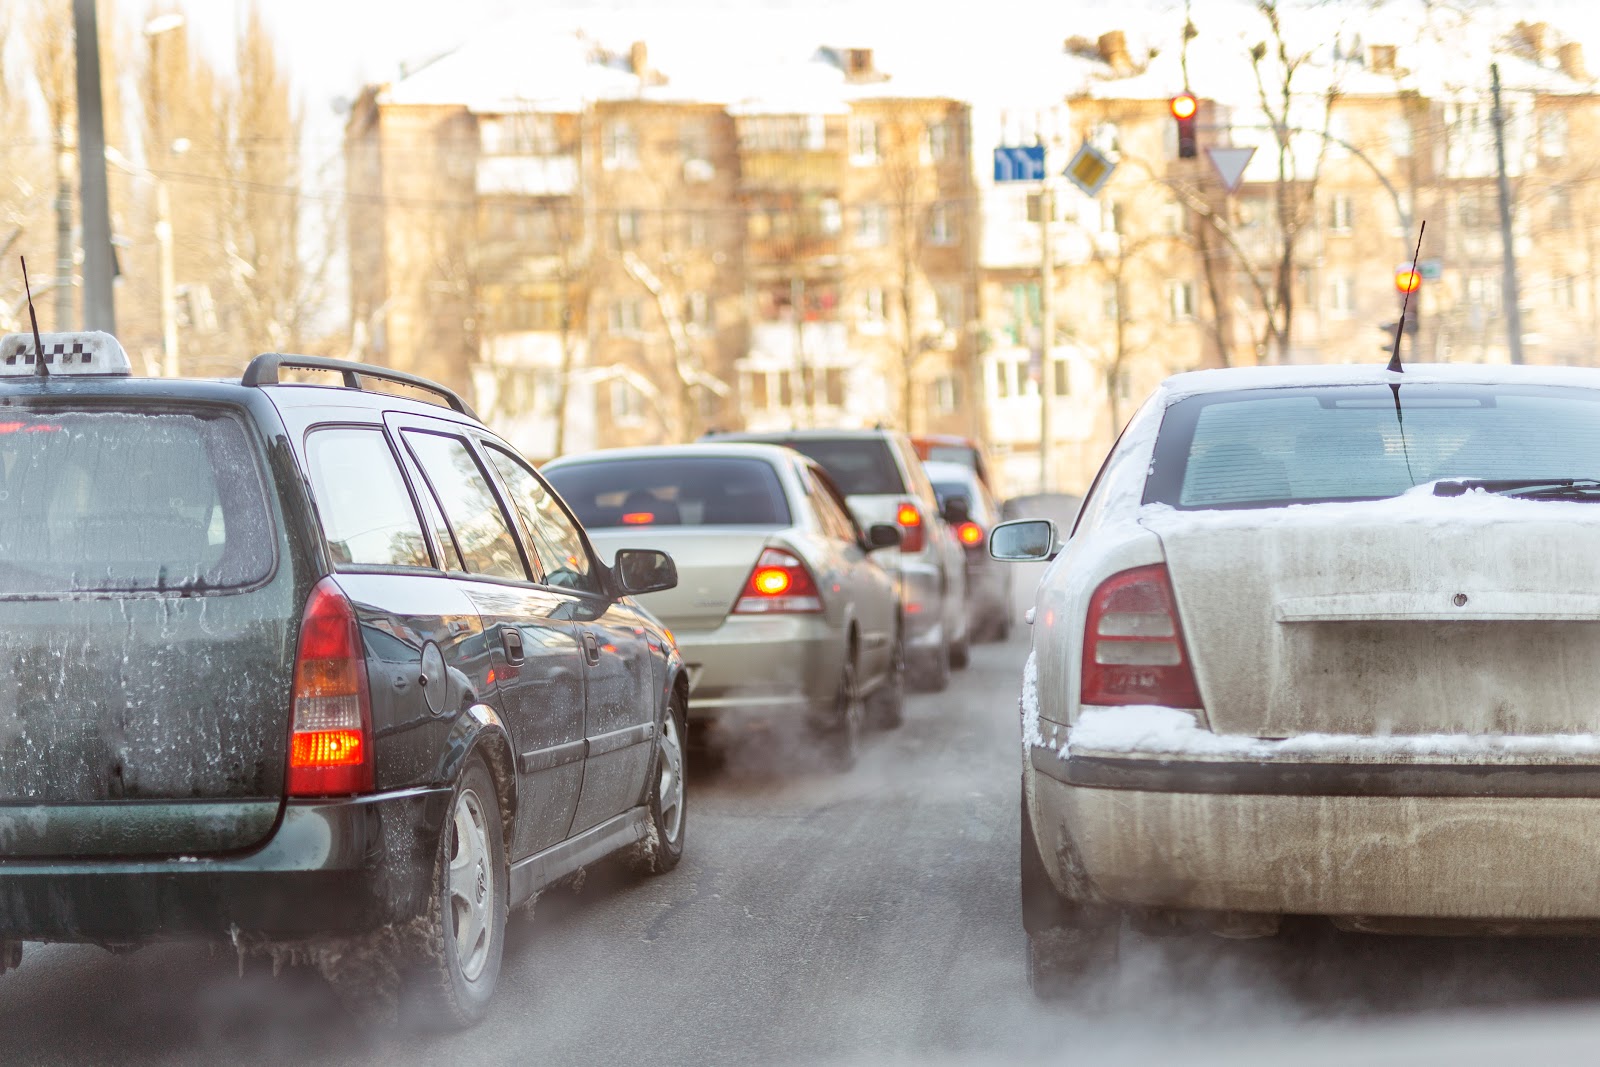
[[691, 491], [961, 454], [859, 466], [1263, 448], [124, 501]]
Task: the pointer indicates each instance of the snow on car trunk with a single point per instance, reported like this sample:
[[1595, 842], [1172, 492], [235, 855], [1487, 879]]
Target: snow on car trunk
[[1413, 615]]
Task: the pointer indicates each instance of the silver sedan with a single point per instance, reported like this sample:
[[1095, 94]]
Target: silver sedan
[[780, 611]]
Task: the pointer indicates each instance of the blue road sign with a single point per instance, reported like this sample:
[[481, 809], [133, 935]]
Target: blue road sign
[[1023, 163]]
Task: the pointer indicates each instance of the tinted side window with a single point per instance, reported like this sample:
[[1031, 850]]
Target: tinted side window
[[367, 514], [482, 531], [523, 489], [858, 465], [562, 553]]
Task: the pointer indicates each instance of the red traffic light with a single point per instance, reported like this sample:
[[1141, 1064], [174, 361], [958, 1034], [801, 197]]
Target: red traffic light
[[1407, 280], [1184, 106]]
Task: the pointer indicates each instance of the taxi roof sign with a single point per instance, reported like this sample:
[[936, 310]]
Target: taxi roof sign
[[81, 353]]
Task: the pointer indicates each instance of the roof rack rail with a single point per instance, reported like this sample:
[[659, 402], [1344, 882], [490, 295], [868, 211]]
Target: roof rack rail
[[263, 370]]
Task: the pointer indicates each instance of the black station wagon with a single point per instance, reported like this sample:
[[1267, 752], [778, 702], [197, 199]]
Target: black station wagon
[[308, 665]]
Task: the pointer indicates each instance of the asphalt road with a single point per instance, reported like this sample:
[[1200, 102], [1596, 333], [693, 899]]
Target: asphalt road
[[864, 917]]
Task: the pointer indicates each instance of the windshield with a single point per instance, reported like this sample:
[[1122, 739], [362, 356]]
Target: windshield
[[129, 501], [693, 491], [1299, 446]]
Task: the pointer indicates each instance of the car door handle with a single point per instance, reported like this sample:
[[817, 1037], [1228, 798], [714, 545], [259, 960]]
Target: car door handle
[[511, 638], [591, 647]]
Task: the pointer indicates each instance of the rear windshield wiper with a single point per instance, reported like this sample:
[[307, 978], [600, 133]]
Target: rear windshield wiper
[[1524, 488]]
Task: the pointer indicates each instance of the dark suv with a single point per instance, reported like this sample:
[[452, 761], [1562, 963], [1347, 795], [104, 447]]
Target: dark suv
[[290, 664]]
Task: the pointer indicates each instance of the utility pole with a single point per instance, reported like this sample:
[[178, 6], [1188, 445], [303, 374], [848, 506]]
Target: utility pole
[[1047, 329], [99, 308], [1508, 282], [797, 295]]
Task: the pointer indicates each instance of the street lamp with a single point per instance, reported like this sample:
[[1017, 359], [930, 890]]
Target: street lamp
[[169, 313]]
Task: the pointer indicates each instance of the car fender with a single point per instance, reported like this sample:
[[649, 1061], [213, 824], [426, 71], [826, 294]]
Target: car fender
[[479, 729]]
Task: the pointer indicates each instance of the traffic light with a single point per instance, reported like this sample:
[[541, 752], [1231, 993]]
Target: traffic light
[[1184, 108]]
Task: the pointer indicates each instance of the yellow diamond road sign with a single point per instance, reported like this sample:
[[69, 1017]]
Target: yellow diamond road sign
[[1090, 169]]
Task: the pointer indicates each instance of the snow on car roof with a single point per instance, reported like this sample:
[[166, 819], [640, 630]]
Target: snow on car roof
[[1193, 383]]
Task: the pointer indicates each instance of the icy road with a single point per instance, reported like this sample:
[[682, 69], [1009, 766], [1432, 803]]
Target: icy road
[[869, 917]]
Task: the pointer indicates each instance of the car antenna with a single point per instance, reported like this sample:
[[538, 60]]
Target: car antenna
[[1405, 302], [38, 345]]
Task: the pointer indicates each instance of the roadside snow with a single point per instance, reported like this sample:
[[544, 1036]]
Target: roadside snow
[[1029, 702], [1155, 732]]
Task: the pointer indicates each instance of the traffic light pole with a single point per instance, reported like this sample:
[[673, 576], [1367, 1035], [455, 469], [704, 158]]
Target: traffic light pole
[[1047, 329], [1508, 282]]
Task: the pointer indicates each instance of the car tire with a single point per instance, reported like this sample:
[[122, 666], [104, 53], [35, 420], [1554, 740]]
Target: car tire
[[464, 929], [932, 671], [886, 706], [961, 651], [839, 725], [662, 846], [1067, 941]]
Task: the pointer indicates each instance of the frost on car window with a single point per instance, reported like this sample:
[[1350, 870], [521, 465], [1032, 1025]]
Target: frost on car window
[[1349, 443], [126, 501]]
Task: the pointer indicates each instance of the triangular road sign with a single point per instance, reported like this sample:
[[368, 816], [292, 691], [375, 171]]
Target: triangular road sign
[[1230, 164]]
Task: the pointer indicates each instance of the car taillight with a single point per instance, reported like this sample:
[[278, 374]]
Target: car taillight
[[1133, 648], [910, 520], [779, 583], [971, 534], [330, 740]]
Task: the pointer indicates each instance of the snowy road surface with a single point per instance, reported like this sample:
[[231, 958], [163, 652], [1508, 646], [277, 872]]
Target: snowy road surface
[[868, 917]]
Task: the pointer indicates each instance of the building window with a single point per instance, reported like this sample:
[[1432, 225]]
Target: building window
[[945, 396], [816, 133], [1560, 205], [1341, 297], [1564, 292], [1341, 213], [755, 391], [627, 229], [694, 140], [1474, 211], [1107, 138], [1062, 377], [1035, 207], [1400, 136], [1483, 291], [1180, 301], [863, 142], [872, 226], [1111, 217], [950, 304], [627, 403], [1553, 134], [941, 225], [697, 312], [1004, 372], [942, 142], [619, 146], [830, 216], [833, 386], [872, 305], [624, 317]]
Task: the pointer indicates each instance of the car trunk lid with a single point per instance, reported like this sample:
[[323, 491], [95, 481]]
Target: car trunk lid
[[1415, 615], [146, 636], [714, 563]]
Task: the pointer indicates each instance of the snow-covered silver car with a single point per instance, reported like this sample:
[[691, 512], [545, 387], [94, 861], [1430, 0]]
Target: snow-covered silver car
[[1321, 643], [781, 610]]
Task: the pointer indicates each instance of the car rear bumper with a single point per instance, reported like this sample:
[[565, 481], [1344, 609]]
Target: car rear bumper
[[1441, 842], [781, 663], [332, 867]]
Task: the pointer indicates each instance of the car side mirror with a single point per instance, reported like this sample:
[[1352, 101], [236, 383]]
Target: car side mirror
[[644, 570], [1024, 540], [882, 535], [957, 510]]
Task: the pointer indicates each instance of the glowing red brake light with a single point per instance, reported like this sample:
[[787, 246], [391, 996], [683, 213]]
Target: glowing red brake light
[[639, 518], [779, 584], [970, 533], [911, 529], [1133, 647], [330, 743]]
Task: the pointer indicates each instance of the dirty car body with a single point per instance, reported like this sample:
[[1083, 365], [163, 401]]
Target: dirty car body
[[1321, 643], [254, 637]]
